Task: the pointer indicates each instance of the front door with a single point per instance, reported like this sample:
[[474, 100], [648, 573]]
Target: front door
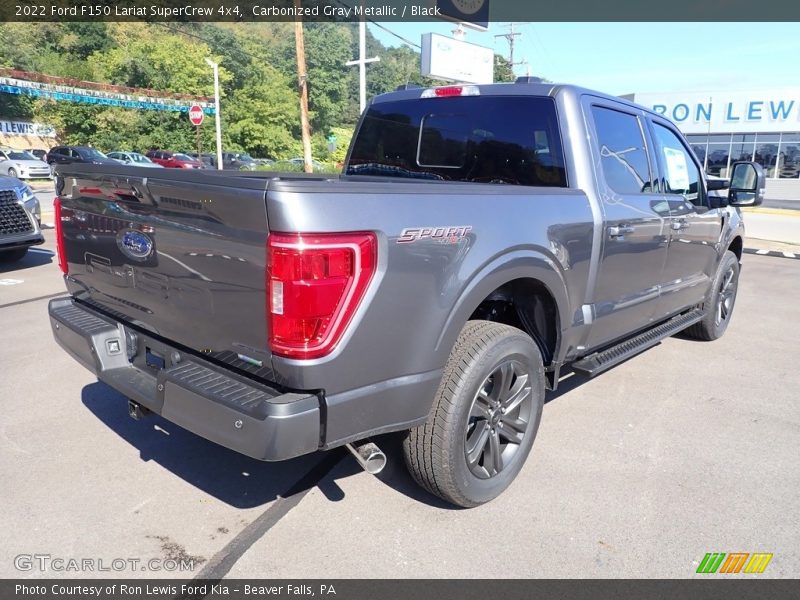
[[635, 220], [695, 228]]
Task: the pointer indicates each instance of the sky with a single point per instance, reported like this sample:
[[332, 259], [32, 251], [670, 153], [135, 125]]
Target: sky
[[622, 58]]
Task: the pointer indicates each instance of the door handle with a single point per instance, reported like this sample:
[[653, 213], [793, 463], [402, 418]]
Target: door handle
[[678, 225], [617, 231]]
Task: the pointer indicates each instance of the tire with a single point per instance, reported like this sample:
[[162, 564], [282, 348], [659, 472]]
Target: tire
[[719, 302], [13, 255], [468, 411], [12, 172]]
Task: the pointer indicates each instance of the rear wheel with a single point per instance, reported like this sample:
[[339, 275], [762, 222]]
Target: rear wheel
[[484, 419], [719, 302]]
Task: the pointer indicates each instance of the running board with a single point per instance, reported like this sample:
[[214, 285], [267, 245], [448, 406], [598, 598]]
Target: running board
[[596, 363]]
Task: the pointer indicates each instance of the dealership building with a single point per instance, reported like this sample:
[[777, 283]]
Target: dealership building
[[723, 127]]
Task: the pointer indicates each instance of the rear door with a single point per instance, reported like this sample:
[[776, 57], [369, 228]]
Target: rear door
[[636, 222], [695, 228]]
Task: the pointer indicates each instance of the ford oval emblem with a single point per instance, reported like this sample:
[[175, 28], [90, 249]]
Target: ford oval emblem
[[135, 244]]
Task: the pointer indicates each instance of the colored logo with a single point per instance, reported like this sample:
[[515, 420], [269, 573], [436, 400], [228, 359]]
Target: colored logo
[[735, 562], [135, 244]]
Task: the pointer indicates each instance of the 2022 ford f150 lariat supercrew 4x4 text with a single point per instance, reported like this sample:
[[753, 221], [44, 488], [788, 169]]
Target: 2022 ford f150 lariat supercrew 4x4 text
[[481, 241]]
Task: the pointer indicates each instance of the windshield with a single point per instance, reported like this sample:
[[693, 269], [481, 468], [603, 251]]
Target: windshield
[[139, 158], [183, 157], [21, 156], [482, 139], [90, 153], [245, 156]]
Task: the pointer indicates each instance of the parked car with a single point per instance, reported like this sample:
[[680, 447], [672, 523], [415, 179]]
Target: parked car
[[66, 155], [19, 163], [300, 161], [209, 160], [174, 160], [133, 159], [20, 217], [38, 153], [482, 241], [239, 161]]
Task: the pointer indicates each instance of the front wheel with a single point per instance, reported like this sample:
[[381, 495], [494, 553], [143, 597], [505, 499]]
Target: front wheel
[[12, 172], [718, 305], [484, 418]]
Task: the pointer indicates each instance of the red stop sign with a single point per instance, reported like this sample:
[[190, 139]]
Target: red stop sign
[[196, 114]]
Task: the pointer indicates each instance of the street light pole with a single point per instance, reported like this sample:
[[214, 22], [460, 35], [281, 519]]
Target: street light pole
[[215, 66], [362, 62]]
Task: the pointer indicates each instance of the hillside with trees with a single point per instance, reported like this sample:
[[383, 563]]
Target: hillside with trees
[[258, 77]]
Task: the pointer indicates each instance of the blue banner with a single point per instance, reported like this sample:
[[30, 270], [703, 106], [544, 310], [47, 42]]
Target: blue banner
[[86, 99]]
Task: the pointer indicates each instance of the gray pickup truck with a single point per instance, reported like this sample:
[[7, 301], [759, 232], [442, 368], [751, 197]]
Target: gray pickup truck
[[482, 242]]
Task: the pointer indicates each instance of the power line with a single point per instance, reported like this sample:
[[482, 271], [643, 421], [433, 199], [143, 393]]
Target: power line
[[398, 36], [379, 26]]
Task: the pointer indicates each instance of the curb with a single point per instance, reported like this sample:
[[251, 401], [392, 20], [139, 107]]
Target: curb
[[783, 212], [778, 253]]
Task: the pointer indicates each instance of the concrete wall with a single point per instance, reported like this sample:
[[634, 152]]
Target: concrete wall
[[783, 189]]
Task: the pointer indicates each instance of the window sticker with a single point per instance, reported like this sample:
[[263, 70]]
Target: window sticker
[[677, 169]]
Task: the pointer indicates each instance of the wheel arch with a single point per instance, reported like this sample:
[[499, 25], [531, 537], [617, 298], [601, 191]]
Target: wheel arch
[[737, 246], [513, 278]]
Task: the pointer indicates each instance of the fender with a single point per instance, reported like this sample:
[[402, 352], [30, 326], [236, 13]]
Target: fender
[[734, 226], [527, 263]]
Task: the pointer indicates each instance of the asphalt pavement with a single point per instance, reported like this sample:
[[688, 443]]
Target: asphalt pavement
[[686, 449]]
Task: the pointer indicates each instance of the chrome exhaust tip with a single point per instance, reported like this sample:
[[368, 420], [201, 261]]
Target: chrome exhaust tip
[[369, 456]]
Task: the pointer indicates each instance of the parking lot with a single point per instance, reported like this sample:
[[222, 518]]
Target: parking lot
[[686, 449]]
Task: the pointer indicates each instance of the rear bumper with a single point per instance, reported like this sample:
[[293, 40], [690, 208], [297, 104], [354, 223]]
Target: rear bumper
[[206, 399]]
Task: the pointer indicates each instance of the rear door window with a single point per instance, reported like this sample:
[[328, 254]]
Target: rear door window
[[623, 154], [484, 139]]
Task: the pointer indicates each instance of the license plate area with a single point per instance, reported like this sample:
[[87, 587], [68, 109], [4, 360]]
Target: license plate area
[[154, 359]]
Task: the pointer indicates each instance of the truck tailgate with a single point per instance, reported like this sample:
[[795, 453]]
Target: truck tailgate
[[179, 254]]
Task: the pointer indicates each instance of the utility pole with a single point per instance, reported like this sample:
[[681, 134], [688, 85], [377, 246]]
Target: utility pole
[[362, 64], [511, 38], [215, 67], [302, 82]]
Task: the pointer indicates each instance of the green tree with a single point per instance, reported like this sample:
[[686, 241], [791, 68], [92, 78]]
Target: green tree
[[263, 115], [503, 70], [166, 62], [327, 49]]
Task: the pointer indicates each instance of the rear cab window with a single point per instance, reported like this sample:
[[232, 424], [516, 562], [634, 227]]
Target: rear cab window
[[511, 140]]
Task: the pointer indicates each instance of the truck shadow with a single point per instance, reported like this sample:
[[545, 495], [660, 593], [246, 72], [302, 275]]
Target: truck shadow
[[35, 257], [243, 482], [233, 478], [397, 477]]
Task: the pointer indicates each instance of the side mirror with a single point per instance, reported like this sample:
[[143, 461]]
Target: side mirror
[[713, 185], [748, 184]]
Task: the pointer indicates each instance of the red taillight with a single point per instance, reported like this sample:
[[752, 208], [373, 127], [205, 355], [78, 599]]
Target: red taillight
[[315, 283], [62, 257]]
